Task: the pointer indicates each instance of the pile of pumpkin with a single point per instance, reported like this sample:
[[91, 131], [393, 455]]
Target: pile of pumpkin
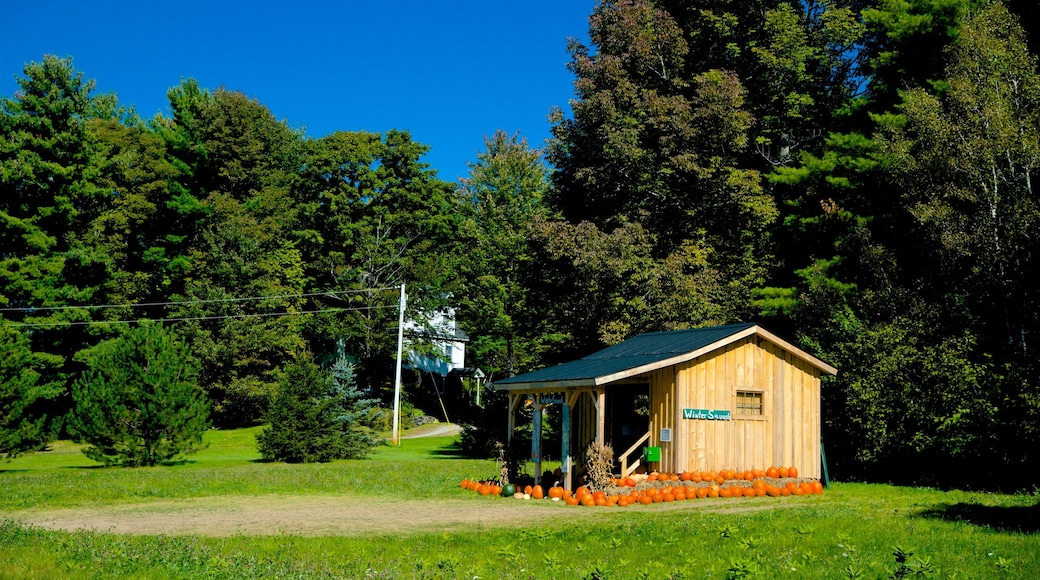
[[664, 487]]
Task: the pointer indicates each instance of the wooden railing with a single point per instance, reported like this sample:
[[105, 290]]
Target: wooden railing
[[627, 470]]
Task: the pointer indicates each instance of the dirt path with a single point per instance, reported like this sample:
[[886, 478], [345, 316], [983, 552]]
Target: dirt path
[[299, 515], [434, 430], [322, 515]]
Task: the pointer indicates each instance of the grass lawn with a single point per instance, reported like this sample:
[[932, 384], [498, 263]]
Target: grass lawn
[[396, 503]]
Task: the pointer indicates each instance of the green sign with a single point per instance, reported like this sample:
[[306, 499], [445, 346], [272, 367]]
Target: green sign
[[709, 414]]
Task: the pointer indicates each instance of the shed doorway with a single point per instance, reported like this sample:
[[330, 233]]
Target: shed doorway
[[628, 415]]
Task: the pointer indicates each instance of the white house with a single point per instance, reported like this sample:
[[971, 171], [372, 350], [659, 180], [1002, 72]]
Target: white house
[[447, 350]]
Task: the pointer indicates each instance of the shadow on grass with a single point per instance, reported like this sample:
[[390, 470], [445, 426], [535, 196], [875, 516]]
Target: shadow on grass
[[453, 451], [1025, 519]]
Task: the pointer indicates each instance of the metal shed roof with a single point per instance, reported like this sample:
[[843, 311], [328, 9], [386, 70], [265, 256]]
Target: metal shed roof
[[645, 353]]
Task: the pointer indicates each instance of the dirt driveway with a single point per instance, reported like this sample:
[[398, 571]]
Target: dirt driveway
[[324, 515]]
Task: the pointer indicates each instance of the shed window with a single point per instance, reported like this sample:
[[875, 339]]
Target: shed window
[[749, 403]]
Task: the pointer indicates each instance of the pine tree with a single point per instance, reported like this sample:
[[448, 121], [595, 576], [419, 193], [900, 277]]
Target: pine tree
[[22, 426], [315, 417], [357, 409], [138, 403], [46, 200]]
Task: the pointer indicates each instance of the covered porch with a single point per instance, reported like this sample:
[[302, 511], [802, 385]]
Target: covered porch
[[587, 415]]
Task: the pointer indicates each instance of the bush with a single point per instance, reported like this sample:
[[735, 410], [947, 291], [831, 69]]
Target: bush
[[138, 402], [316, 416]]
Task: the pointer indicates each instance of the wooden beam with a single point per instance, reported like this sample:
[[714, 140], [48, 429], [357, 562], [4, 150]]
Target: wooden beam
[[572, 397], [565, 446], [601, 415], [514, 402], [536, 440]]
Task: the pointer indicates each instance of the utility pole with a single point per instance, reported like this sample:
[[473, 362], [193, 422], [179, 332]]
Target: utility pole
[[397, 377]]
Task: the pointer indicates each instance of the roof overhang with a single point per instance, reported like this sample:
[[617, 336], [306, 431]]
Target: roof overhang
[[592, 382]]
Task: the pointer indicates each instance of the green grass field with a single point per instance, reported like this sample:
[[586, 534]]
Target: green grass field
[[852, 531]]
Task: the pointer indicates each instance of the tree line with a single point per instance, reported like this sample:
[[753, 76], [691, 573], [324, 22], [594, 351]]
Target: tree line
[[854, 174]]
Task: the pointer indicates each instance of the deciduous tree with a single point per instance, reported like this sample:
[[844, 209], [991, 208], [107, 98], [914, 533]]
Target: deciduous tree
[[373, 216], [499, 201]]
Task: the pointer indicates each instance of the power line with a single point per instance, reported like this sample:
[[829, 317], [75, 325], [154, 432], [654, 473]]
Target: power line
[[331, 293], [190, 318]]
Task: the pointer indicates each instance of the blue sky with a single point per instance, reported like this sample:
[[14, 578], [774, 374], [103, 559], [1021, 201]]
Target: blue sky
[[450, 72]]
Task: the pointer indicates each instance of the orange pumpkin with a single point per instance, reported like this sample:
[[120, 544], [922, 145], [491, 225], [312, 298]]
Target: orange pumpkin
[[537, 492], [792, 471]]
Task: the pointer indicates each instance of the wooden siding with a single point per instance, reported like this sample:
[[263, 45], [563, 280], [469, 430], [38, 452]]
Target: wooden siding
[[787, 432], [662, 413], [583, 428]]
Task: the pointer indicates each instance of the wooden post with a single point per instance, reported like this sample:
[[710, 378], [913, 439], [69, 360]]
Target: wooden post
[[536, 439], [565, 444], [601, 418], [569, 400], [514, 400]]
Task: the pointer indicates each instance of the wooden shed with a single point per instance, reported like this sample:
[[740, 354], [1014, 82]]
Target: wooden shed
[[726, 397]]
